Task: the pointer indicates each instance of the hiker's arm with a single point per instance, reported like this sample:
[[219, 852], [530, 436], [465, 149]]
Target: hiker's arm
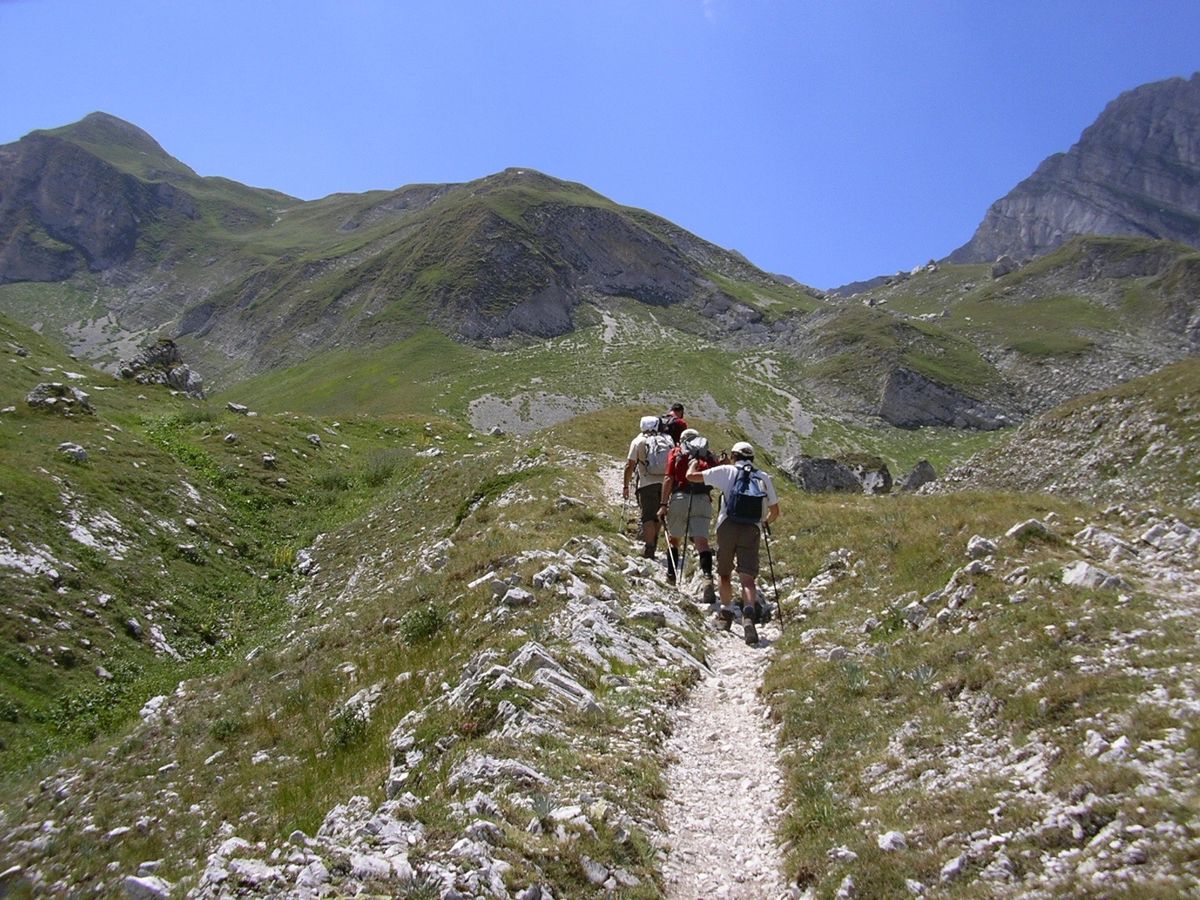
[[772, 513], [629, 466], [694, 473], [668, 483]]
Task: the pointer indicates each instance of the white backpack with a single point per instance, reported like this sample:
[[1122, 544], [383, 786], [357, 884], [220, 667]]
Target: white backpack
[[658, 448]]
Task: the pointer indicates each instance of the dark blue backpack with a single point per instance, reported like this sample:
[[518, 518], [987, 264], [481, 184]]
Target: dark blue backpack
[[748, 497]]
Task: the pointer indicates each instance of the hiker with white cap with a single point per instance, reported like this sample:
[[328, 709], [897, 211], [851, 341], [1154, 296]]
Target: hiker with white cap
[[687, 507], [749, 505], [647, 457]]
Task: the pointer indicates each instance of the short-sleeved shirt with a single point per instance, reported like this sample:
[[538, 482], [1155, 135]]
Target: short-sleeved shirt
[[724, 477], [638, 452]]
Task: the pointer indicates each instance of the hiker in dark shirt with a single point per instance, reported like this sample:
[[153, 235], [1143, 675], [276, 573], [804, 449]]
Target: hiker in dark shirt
[[674, 423]]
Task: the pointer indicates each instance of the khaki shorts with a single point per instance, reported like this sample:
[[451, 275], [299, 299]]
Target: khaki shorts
[[677, 515], [737, 539], [649, 497]]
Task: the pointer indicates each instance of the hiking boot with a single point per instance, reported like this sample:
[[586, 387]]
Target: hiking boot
[[670, 576], [751, 633], [752, 614], [710, 592], [725, 619]]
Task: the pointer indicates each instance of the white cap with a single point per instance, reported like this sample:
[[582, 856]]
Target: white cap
[[741, 448], [687, 434], [649, 423]]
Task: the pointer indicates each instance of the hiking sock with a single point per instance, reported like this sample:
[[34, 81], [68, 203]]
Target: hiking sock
[[706, 557]]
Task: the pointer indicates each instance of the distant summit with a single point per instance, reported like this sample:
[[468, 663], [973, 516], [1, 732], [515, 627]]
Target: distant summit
[[1135, 172]]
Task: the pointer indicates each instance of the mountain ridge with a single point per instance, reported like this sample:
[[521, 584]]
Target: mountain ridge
[[1135, 171]]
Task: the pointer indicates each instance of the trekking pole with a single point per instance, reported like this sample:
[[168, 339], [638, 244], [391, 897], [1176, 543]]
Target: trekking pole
[[770, 562]]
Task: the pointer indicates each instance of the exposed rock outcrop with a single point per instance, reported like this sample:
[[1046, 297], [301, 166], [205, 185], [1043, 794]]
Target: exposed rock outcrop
[[64, 209], [822, 476], [910, 400], [922, 473], [162, 363], [64, 398]]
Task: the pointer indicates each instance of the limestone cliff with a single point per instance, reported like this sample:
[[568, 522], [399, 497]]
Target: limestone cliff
[[1134, 172]]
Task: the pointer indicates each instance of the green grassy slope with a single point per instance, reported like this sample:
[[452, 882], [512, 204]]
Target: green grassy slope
[[1131, 442], [1084, 296], [166, 522]]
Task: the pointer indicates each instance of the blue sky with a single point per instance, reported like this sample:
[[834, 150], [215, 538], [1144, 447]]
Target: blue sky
[[830, 141]]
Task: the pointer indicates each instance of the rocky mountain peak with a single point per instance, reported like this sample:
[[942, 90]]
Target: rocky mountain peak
[[1134, 172]]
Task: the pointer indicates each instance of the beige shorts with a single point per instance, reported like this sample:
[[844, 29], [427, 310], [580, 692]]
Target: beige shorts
[[738, 539], [677, 515]]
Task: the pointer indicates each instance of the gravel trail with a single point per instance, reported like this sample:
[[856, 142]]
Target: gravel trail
[[724, 783]]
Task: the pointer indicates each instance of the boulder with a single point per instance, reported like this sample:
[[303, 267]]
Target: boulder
[[979, 547], [872, 473], [1005, 265], [1085, 575], [922, 474], [162, 363], [822, 476], [73, 451], [146, 888]]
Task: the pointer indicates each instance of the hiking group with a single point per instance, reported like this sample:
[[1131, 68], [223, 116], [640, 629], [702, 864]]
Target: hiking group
[[674, 473]]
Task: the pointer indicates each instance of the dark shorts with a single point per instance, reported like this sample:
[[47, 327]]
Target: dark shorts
[[649, 497], [738, 539]]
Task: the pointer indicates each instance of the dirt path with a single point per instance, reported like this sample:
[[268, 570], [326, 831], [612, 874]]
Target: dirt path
[[724, 784]]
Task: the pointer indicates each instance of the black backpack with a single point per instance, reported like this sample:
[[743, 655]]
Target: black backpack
[[748, 497]]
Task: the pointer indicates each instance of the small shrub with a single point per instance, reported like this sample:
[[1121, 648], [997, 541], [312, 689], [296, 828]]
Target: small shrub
[[420, 624], [227, 727], [9, 711], [283, 557], [194, 415], [333, 480], [380, 467], [424, 886], [347, 728]]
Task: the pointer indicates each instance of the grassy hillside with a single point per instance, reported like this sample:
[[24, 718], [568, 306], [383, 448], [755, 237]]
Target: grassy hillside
[[172, 522], [298, 625], [1083, 297], [1132, 442]]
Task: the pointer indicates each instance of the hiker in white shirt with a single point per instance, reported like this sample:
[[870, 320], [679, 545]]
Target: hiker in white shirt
[[739, 534]]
